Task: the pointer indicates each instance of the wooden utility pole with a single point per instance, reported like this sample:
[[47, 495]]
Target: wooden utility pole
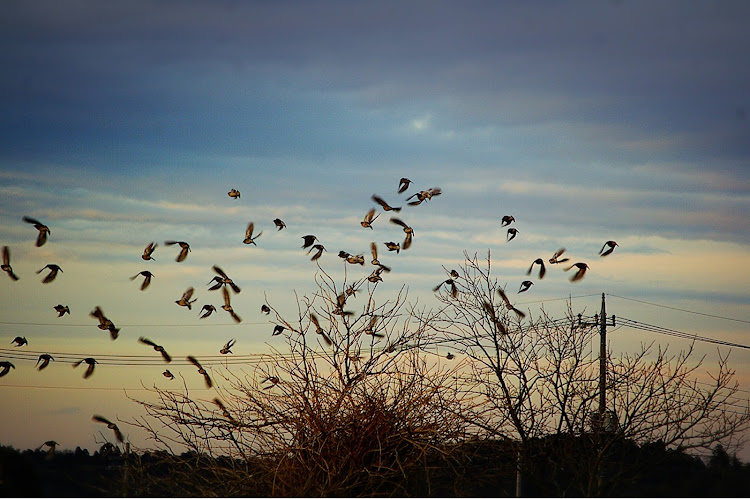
[[602, 362]]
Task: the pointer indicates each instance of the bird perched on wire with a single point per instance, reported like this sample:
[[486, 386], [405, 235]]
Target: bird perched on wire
[[507, 220], [610, 245], [156, 347], [384, 205], [370, 217], [168, 374], [185, 248], [403, 184], [319, 330], [222, 279], [53, 270], [249, 239], [5, 367], [20, 341], [319, 251], [582, 267], [6, 264], [104, 323], [62, 310], [451, 283], [228, 306], [542, 269], [309, 240], [393, 246], [207, 310], [41, 238], [91, 363], [202, 371], [512, 232], [556, 257], [279, 223], [227, 347], [408, 230], [424, 195], [43, 361], [110, 425], [185, 301], [148, 251], [147, 278], [234, 194], [265, 309], [525, 285]]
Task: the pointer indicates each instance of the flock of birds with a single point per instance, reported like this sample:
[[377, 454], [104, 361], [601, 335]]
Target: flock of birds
[[315, 248]]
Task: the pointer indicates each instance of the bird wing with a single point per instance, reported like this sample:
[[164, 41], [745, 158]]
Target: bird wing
[[219, 271], [194, 361], [146, 341]]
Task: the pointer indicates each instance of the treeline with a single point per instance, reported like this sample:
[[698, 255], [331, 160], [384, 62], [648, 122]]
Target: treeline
[[469, 469]]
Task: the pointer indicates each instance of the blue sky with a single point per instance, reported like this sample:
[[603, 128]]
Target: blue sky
[[124, 123]]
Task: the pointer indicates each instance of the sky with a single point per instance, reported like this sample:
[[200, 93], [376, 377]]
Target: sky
[[123, 123]]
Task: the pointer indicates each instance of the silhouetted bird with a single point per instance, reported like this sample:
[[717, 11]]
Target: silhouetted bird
[[450, 356], [110, 425], [384, 205], [223, 408], [408, 230], [249, 239], [507, 220], [490, 310], [228, 306], [512, 233], [202, 371], [279, 223], [370, 217], [610, 245], [525, 285], [508, 304], [319, 251], [234, 194], [371, 330], [207, 310], [91, 362], [43, 230], [147, 278], [319, 329], [375, 261], [185, 301], [309, 240], [222, 280], [5, 367], [277, 330], [542, 269], [582, 267], [52, 445], [167, 374], [185, 247], [148, 251], [274, 380], [45, 359], [156, 347], [556, 257], [451, 283], [20, 341], [104, 323], [227, 346], [6, 264], [424, 195], [62, 310], [53, 270], [403, 184]]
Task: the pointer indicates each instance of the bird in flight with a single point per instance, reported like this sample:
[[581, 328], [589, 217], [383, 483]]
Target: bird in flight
[[277, 330], [110, 425], [185, 301], [384, 205], [202, 371], [556, 257], [582, 267], [451, 283], [512, 232], [525, 285], [375, 261], [43, 230], [265, 309], [223, 408], [156, 347], [424, 195], [450, 356], [104, 323], [234, 194], [508, 304], [370, 329], [610, 245], [319, 251], [222, 279], [185, 247], [393, 246], [147, 278], [228, 306], [6, 264], [20, 341], [542, 269], [227, 346], [168, 374], [249, 239], [62, 310], [207, 310], [319, 329], [507, 220], [279, 223], [403, 184], [91, 362], [274, 380], [45, 359], [309, 240], [5, 367], [370, 217], [408, 230], [148, 251], [53, 270], [356, 259]]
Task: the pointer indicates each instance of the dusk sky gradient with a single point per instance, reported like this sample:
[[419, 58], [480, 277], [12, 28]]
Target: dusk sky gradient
[[123, 123]]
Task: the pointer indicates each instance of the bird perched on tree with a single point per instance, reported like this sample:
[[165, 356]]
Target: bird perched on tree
[[6, 264], [451, 283], [62, 310], [148, 251], [450, 356], [249, 239], [110, 425], [207, 310], [228, 306], [5, 367], [185, 301], [542, 269], [43, 230], [512, 233], [393, 246], [167, 374], [222, 279], [370, 217], [582, 267], [525, 285], [45, 359], [20, 341], [53, 270], [309, 240], [384, 205], [104, 323], [185, 247], [408, 230], [202, 371], [227, 346], [265, 309], [156, 347], [319, 330], [556, 257], [147, 275], [403, 184], [279, 223], [277, 330], [610, 245], [234, 194], [319, 251], [91, 362], [507, 220]]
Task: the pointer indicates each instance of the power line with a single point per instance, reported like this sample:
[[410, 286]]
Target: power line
[[674, 332], [680, 309]]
